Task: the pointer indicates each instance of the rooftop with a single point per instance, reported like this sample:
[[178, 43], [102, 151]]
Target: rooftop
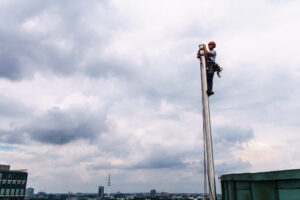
[[7, 168]]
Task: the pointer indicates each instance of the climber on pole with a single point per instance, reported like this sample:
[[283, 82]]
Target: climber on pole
[[211, 65], [210, 60]]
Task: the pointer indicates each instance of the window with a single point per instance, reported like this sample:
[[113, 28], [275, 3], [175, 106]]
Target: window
[[4, 182], [17, 191], [14, 182], [2, 191], [0, 175], [7, 191], [12, 191], [9, 176], [22, 192]]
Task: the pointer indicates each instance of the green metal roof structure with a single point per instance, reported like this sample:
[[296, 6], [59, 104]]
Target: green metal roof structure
[[275, 185]]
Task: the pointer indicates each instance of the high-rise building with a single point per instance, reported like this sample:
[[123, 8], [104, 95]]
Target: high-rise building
[[29, 191], [12, 183], [101, 192]]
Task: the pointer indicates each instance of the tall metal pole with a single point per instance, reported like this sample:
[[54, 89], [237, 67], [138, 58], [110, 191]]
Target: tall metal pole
[[207, 128]]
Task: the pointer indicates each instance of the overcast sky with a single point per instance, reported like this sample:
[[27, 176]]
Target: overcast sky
[[98, 86]]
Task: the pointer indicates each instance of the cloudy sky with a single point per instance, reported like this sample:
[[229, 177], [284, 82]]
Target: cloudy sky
[[99, 86]]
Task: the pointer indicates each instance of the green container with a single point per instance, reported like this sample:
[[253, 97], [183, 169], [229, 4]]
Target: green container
[[276, 185]]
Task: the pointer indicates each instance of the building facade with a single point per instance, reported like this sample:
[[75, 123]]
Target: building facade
[[29, 191], [101, 192], [12, 183]]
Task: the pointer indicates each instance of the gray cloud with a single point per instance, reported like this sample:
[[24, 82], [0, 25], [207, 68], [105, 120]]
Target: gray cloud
[[57, 127], [153, 157], [10, 66], [108, 68], [233, 135], [12, 108], [232, 166], [227, 139], [60, 127], [57, 39], [159, 160], [12, 136]]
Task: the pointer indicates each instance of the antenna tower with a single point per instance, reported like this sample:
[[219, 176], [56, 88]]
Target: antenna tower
[[108, 184]]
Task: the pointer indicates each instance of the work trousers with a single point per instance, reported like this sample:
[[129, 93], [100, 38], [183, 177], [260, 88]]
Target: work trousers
[[210, 75]]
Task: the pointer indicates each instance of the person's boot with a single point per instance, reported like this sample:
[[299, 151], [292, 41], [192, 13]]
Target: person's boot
[[210, 92]]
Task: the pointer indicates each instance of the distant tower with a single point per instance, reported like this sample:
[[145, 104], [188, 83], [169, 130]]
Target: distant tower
[[108, 184]]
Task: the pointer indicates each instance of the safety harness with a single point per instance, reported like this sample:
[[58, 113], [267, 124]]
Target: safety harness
[[217, 69], [214, 67]]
